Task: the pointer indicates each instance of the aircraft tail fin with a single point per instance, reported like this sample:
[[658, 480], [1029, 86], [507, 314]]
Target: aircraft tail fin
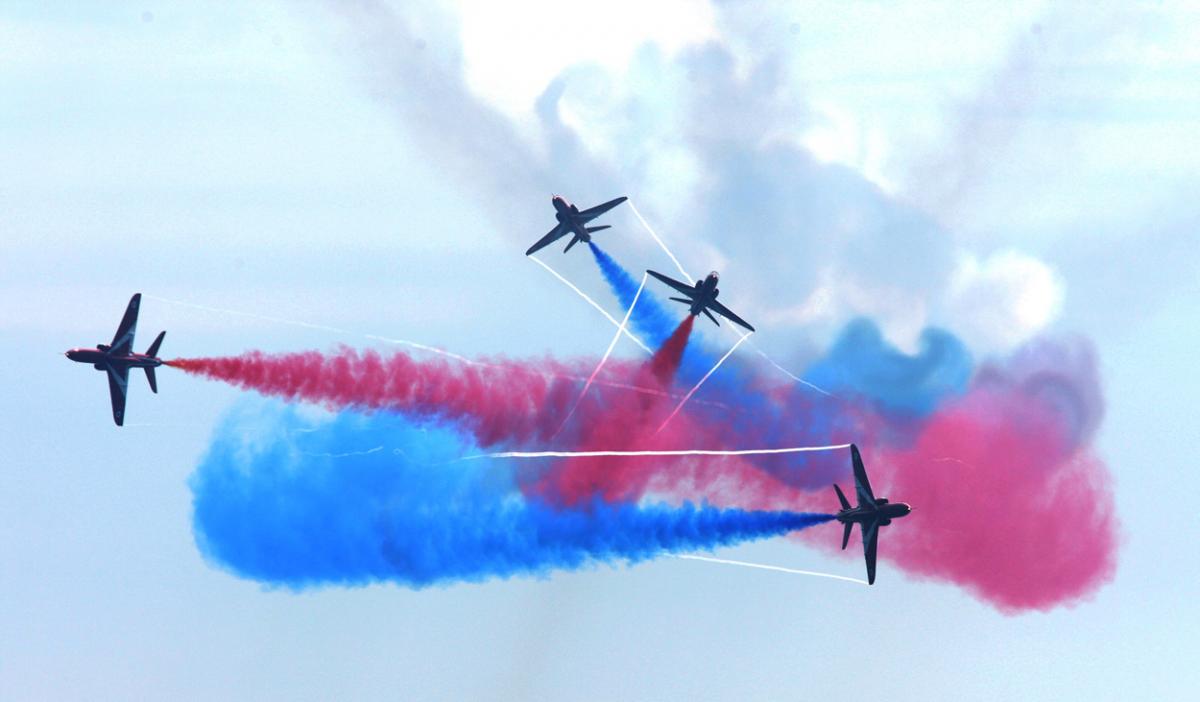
[[593, 230], [841, 497], [574, 240], [153, 350], [846, 534], [150, 378]]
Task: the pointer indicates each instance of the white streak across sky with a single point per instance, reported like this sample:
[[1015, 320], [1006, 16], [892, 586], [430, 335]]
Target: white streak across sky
[[608, 352], [778, 569], [696, 387], [592, 302], [658, 452]]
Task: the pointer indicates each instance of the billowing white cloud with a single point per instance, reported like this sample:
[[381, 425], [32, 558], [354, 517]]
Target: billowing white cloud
[[1000, 301], [512, 51]]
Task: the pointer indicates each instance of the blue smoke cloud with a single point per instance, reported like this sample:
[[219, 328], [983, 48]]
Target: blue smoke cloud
[[358, 499], [862, 363]]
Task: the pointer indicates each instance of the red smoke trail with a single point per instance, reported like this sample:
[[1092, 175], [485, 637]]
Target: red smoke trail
[[497, 401], [666, 360]]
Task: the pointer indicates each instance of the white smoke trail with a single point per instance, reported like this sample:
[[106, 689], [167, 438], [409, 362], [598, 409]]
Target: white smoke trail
[[592, 302], [430, 349], [608, 352], [252, 315], [788, 373], [696, 387], [319, 327], [377, 449], [646, 224], [656, 452], [778, 569]]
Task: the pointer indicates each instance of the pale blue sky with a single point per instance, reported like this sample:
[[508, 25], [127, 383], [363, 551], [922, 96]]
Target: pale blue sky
[[299, 162]]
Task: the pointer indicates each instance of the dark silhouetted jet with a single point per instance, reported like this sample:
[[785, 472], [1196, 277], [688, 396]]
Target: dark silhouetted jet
[[118, 357], [702, 297], [871, 513], [571, 220]]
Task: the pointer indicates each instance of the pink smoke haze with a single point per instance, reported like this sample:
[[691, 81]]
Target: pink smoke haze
[[1003, 504]]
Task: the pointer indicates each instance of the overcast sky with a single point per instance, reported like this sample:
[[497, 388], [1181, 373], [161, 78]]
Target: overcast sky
[[999, 170]]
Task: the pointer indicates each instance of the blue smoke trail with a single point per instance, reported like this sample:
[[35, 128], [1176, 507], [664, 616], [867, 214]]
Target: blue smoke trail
[[650, 318], [370, 498]]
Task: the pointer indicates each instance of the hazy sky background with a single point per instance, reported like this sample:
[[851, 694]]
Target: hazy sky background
[[999, 170]]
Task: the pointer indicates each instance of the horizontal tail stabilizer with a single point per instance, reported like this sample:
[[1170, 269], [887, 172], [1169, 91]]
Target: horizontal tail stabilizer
[[684, 300], [150, 378], [593, 230], [153, 350], [842, 497], [846, 534], [574, 240], [710, 316]]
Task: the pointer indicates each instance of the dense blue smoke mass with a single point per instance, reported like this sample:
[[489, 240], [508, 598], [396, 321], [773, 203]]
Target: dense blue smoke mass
[[356, 499], [862, 363]]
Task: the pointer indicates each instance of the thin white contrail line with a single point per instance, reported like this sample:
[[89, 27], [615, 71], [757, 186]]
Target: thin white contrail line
[[424, 347], [608, 352], [696, 387], [377, 449], [688, 277], [592, 302], [778, 569], [252, 315], [319, 327], [656, 452], [660, 241], [788, 373]]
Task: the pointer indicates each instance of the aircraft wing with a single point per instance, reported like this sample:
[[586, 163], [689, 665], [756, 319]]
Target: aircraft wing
[[123, 340], [728, 314], [870, 534], [593, 212], [861, 484], [118, 384], [680, 287], [551, 236]]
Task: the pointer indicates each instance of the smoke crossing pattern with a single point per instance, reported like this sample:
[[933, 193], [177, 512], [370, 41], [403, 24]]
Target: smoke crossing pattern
[[992, 458], [275, 503], [650, 317]]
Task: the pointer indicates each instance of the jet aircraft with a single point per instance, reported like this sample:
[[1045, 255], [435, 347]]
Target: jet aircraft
[[572, 220], [702, 297], [118, 357], [870, 513]]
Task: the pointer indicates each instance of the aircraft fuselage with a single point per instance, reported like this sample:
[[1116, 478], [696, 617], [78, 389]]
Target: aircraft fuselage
[[884, 512], [567, 215], [706, 292], [98, 357]]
